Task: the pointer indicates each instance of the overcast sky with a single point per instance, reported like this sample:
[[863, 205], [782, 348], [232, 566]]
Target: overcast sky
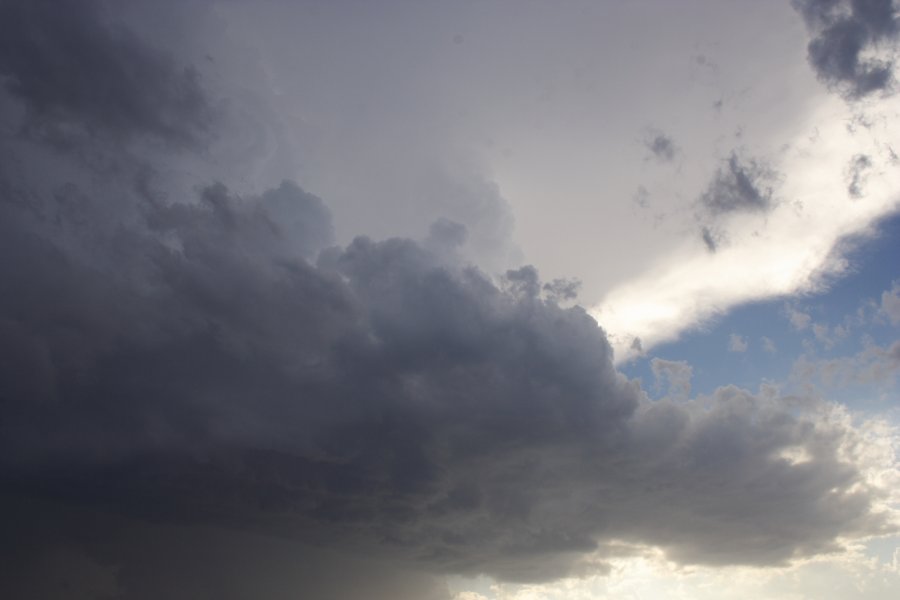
[[495, 300]]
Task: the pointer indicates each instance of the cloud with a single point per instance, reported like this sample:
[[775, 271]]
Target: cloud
[[768, 345], [676, 374], [846, 35], [661, 146], [384, 400], [738, 186], [799, 319], [890, 304], [204, 394], [54, 550], [873, 365], [862, 572], [826, 336], [710, 239], [74, 69], [797, 245], [562, 290], [737, 343], [856, 172]]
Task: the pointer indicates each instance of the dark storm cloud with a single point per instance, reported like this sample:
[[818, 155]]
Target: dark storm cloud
[[201, 397], [52, 551], [740, 185], [385, 400], [846, 34], [73, 67]]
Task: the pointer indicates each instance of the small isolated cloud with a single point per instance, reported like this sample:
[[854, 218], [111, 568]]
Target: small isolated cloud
[[739, 186], [768, 345], [828, 336], [874, 365], [637, 346], [737, 343], [856, 174], [799, 319], [848, 49], [890, 304], [641, 197], [661, 146], [675, 375], [711, 239]]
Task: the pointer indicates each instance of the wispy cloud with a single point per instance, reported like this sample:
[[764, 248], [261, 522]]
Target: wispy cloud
[[737, 343]]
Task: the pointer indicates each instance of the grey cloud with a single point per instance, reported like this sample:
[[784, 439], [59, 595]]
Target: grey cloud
[[737, 343], [661, 146], [203, 396], [382, 401], [641, 197], [710, 239], [74, 68], [739, 185], [525, 282], [285, 221], [54, 550], [799, 319], [844, 34], [562, 290], [856, 173], [874, 365], [890, 303], [675, 374], [445, 235], [475, 202]]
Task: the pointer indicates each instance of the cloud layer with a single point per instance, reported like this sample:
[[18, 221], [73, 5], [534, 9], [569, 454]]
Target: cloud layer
[[385, 397], [208, 377], [73, 67]]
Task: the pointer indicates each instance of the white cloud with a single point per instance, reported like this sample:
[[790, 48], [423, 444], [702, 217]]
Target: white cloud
[[791, 250], [856, 573], [820, 331], [675, 374], [890, 303], [873, 365], [737, 343], [799, 319]]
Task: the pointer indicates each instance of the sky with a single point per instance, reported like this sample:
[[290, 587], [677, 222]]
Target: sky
[[477, 300]]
